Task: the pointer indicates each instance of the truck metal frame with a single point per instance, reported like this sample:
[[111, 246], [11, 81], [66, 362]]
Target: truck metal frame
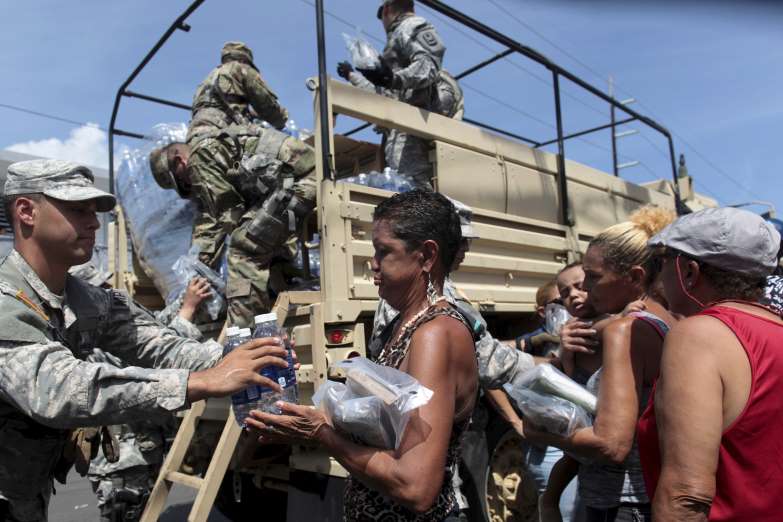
[[533, 210]]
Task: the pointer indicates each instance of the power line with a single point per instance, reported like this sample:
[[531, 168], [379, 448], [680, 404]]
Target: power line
[[600, 75], [50, 116]]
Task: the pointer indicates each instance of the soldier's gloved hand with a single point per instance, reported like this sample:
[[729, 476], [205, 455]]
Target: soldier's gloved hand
[[382, 76], [238, 370], [344, 70]]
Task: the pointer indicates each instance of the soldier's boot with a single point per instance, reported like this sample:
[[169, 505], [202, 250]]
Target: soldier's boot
[[276, 221]]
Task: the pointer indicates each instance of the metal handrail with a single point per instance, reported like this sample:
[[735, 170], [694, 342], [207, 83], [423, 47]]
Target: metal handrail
[[557, 72], [178, 24]]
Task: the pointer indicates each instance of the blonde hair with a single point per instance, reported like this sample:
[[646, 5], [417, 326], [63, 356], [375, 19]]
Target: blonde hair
[[624, 245], [542, 292]]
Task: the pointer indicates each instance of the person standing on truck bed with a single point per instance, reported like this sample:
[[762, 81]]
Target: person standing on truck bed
[[50, 322], [411, 71], [249, 182]]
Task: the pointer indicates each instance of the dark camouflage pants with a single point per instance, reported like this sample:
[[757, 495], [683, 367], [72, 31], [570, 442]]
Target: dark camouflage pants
[[28, 510], [230, 204]]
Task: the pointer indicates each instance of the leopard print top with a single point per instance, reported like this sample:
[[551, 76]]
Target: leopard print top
[[364, 504]]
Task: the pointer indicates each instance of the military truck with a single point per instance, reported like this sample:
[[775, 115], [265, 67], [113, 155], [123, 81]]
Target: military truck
[[534, 211]]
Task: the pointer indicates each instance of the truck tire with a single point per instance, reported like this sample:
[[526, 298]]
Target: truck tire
[[493, 471], [252, 500]]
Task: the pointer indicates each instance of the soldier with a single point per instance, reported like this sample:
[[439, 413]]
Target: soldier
[[411, 71], [49, 324], [123, 487], [251, 183], [234, 94]]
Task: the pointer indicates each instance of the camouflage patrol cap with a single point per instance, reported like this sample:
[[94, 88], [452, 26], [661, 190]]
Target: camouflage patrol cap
[[405, 4], [58, 179], [237, 51], [159, 165]]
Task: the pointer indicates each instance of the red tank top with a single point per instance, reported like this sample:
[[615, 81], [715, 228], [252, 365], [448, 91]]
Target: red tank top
[[749, 479]]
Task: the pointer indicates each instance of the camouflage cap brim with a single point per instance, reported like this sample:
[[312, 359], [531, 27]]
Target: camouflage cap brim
[[104, 201]]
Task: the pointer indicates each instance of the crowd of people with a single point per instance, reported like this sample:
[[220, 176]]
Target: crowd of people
[[675, 326]]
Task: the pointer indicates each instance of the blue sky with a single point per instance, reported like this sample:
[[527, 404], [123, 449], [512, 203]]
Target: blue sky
[[712, 72]]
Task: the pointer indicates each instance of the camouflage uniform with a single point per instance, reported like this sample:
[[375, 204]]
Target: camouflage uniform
[[498, 363], [47, 387], [123, 487], [234, 94], [254, 185], [414, 52]]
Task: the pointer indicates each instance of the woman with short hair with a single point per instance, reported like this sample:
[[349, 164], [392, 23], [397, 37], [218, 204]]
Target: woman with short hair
[[710, 440], [416, 236]]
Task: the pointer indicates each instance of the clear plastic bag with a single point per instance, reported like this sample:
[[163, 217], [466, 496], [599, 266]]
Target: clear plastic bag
[[548, 380], [548, 412], [556, 317], [187, 267], [363, 54], [375, 403]]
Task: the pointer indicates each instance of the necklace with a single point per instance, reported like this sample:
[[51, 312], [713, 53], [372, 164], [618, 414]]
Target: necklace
[[404, 328]]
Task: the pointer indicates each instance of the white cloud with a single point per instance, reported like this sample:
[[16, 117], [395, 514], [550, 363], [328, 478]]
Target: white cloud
[[86, 145]]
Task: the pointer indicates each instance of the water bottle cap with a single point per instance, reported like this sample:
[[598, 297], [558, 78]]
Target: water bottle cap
[[231, 331], [266, 318], [244, 332]]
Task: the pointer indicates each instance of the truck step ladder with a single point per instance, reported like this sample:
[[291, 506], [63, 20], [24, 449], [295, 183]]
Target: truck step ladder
[[208, 486]]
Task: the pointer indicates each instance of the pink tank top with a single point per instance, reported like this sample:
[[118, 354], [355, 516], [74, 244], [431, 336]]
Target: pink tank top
[[749, 479]]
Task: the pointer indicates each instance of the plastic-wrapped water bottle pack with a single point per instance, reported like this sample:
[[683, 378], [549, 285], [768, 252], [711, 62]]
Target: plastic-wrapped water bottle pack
[[160, 222]]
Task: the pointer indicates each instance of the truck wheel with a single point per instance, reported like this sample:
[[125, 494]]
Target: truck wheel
[[271, 502], [511, 494], [493, 471]]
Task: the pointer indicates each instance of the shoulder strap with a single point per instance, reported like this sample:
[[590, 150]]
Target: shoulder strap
[[658, 324]]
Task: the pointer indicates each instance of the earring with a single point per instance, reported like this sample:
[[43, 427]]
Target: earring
[[432, 293]]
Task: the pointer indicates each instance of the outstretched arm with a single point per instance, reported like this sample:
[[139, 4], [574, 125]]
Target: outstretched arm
[[413, 474]]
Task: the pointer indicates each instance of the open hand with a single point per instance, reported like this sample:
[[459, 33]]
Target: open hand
[[578, 337], [238, 370], [294, 423]]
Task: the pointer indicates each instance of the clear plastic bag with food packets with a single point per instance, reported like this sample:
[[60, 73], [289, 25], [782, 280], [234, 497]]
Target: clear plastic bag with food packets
[[374, 404], [548, 380], [187, 267], [556, 316], [363, 54], [548, 412]]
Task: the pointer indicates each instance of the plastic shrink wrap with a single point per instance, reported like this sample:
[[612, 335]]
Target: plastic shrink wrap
[[549, 412], [375, 403], [160, 222]]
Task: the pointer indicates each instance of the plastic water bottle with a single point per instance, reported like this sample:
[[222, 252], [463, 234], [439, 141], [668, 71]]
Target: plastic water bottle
[[266, 326], [240, 400], [291, 129]]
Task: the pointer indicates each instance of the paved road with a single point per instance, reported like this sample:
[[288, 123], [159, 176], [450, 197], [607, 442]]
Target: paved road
[[75, 502]]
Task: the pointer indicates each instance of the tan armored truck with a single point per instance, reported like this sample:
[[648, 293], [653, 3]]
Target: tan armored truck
[[534, 211]]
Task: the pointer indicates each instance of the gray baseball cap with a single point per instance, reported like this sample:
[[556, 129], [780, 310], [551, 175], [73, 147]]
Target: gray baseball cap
[[58, 179], [729, 238]]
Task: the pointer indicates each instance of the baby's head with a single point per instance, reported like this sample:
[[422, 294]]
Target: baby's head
[[574, 298]]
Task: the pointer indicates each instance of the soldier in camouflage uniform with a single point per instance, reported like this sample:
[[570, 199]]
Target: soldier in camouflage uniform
[[50, 322], [411, 71], [498, 362], [252, 184], [234, 94], [123, 487]]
